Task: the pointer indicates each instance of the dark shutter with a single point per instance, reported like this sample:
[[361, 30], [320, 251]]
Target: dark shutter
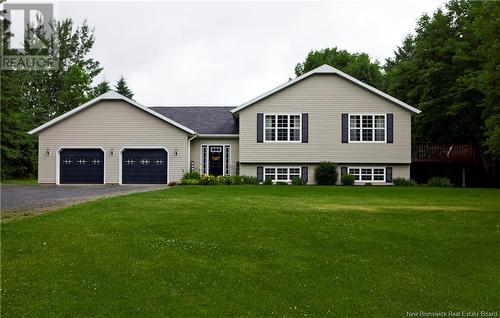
[[390, 125], [345, 128], [388, 174], [305, 174], [260, 127], [305, 128], [343, 171], [260, 173]]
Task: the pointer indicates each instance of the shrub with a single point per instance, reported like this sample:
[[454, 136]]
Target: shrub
[[268, 181], [190, 181], [368, 184], [347, 179], [326, 173], [439, 182], [208, 180], [298, 181], [238, 180], [227, 180], [250, 180], [191, 175], [281, 183], [172, 184], [403, 182]]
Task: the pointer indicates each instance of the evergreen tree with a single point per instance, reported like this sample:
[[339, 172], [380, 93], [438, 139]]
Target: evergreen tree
[[122, 88]]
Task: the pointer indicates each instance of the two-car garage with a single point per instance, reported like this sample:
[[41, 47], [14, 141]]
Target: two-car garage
[[137, 166]]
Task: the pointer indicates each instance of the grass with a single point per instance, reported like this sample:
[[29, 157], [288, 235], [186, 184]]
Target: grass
[[32, 181], [232, 251]]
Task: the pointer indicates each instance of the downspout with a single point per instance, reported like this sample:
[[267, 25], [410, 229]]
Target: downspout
[[189, 151]]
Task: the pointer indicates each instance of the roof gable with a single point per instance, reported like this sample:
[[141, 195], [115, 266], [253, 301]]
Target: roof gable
[[111, 95], [327, 69]]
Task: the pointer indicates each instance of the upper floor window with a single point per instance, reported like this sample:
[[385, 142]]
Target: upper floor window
[[367, 128], [282, 127]]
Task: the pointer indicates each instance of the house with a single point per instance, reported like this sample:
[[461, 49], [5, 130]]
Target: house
[[323, 115]]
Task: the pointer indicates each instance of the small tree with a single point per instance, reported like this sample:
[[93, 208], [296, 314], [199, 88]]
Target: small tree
[[326, 173], [122, 88]]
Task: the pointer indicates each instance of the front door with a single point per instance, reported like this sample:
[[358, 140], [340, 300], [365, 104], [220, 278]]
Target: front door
[[215, 160]]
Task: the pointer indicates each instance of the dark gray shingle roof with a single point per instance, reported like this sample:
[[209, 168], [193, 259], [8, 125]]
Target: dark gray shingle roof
[[203, 120]]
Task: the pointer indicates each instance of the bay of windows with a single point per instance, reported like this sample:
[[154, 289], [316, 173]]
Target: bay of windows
[[367, 128], [282, 127], [368, 174]]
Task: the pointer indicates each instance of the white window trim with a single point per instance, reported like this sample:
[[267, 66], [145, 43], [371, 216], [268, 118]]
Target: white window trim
[[372, 174], [223, 146], [276, 128], [276, 172], [361, 128]]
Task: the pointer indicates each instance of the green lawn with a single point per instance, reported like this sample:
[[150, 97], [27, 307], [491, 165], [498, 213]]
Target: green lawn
[[19, 181], [233, 251]]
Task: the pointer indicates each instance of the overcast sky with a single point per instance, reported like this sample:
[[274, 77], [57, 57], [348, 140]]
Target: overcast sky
[[225, 53]]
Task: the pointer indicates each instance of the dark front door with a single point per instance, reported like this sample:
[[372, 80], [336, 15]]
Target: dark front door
[[215, 160], [81, 166], [144, 166]]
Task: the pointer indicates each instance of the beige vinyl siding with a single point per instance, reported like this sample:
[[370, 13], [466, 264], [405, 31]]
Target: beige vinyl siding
[[112, 125], [398, 170], [196, 150], [325, 98]]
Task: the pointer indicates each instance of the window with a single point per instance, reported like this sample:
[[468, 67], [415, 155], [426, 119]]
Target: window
[[82, 161], [368, 174], [144, 161], [130, 161], [215, 149], [226, 160], [159, 162], [282, 127], [67, 161], [281, 173], [204, 159], [367, 128], [96, 161]]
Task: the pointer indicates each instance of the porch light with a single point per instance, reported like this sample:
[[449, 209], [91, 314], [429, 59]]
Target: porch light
[[112, 151], [176, 152], [47, 152]]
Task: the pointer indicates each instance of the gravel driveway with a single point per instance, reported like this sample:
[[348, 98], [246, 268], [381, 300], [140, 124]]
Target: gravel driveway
[[22, 198]]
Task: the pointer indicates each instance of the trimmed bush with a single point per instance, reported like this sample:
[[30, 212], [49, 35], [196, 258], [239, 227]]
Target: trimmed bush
[[326, 173], [403, 182], [250, 180], [268, 181], [191, 175], [298, 181], [347, 180], [281, 183], [190, 182], [237, 180], [439, 182], [208, 180]]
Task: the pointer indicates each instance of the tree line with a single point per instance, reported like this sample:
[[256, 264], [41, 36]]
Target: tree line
[[449, 68]]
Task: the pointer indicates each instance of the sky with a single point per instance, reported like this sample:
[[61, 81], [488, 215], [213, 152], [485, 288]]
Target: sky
[[225, 53]]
